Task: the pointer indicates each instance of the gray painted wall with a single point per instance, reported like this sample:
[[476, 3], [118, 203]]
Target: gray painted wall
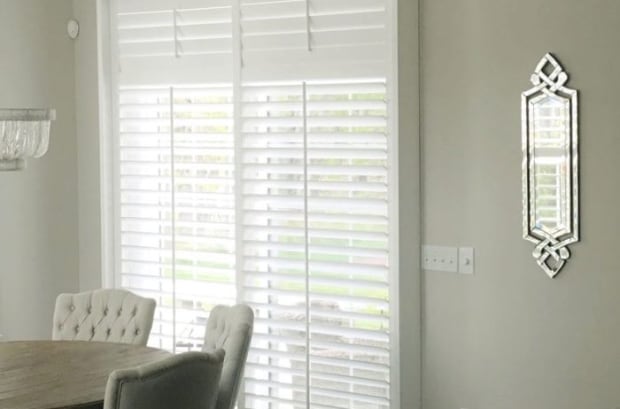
[[38, 206], [509, 337], [88, 143], [409, 204]]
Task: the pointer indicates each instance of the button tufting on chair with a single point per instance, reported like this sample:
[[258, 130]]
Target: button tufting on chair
[[85, 317]]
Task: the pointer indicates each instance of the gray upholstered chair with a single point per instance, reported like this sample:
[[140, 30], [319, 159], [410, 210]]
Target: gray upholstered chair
[[107, 315], [185, 381], [230, 328]]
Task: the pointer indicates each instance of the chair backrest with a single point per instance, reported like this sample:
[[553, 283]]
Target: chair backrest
[[189, 381], [230, 328], [107, 315]]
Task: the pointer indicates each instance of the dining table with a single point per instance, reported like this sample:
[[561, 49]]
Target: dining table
[[64, 374]]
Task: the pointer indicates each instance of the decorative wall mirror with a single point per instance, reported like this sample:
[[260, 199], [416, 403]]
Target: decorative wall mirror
[[550, 165]]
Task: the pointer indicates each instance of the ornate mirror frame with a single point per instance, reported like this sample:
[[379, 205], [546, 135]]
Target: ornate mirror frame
[[550, 166]]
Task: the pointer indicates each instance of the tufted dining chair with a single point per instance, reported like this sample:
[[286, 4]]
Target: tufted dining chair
[[107, 315], [189, 381], [230, 328]]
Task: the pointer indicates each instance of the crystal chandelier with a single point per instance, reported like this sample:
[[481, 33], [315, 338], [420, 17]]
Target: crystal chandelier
[[24, 133]]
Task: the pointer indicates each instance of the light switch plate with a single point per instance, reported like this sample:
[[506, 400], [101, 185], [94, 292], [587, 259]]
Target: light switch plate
[[466, 260], [440, 258]]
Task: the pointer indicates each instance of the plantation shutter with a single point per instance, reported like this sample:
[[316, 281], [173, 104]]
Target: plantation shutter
[[176, 160], [253, 166], [315, 243]]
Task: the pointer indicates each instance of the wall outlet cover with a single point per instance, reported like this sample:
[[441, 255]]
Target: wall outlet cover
[[440, 258]]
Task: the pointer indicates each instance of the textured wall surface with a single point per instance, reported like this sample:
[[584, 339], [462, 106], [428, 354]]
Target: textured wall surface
[[509, 337]]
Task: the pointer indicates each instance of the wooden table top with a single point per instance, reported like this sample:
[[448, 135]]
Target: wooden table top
[[63, 374]]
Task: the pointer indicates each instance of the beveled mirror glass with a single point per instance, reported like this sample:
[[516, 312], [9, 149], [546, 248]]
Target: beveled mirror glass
[[550, 165]]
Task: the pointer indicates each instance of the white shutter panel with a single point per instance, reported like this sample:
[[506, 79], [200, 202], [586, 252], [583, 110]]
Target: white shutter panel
[[348, 255], [169, 42], [273, 242], [145, 193], [204, 207], [177, 205], [313, 39], [315, 223]]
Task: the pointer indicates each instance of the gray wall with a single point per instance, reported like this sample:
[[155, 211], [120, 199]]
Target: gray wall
[[38, 206], [409, 205], [88, 145], [509, 337]]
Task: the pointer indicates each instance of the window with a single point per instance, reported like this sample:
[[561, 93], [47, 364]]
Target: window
[[252, 164]]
